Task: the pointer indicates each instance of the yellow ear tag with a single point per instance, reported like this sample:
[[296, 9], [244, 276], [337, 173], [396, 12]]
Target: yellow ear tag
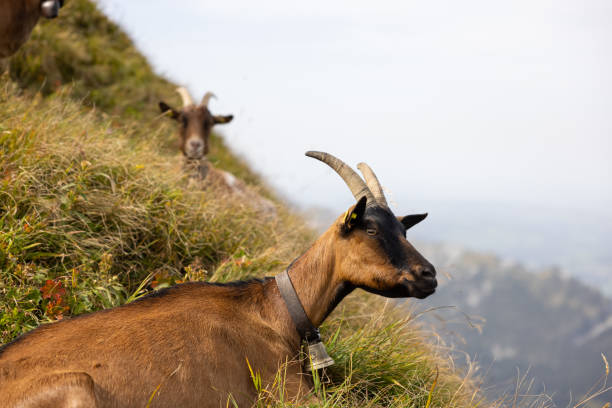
[[348, 218]]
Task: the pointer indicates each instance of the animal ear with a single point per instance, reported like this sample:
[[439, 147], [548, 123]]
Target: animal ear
[[354, 215], [219, 119], [410, 221], [164, 108]]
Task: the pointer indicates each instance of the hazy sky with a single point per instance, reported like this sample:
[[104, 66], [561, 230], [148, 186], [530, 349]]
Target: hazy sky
[[495, 116], [473, 100]]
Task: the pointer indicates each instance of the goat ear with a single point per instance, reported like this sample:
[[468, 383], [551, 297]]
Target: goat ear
[[164, 108], [219, 119], [410, 221], [354, 215]]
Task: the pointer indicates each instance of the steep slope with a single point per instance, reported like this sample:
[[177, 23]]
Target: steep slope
[[94, 212]]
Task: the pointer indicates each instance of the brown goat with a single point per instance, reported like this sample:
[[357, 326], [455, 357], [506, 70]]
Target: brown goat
[[18, 18], [192, 345], [196, 123]]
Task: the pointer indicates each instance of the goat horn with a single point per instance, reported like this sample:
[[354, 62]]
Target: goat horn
[[373, 183], [187, 101], [350, 177], [207, 97]]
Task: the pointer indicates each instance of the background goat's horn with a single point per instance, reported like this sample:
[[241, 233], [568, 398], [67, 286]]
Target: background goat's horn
[[373, 184], [207, 97], [187, 101], [350, 177]]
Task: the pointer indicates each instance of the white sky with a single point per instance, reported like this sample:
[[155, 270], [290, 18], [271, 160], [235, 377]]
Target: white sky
[[473, 100], [494, 116]]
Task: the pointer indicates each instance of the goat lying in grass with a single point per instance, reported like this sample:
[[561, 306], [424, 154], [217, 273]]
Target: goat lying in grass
[[18, 18], [195, 344], [196, 123]]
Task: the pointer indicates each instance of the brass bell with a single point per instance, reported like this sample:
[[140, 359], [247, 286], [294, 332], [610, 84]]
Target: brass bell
[[317, 356]]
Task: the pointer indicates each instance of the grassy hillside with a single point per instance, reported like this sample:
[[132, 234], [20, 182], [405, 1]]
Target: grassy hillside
[[94, 212]]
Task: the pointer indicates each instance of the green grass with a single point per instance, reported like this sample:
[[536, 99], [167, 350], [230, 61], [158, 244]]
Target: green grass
[[95, 212]]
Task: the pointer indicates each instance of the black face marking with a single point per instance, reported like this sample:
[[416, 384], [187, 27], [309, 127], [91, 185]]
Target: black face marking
[[389, 234], [414, 275]]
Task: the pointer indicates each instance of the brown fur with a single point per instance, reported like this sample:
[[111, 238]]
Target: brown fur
[[188, 345], [17, 19]]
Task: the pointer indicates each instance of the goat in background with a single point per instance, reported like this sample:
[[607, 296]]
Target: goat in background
[[196, 123]]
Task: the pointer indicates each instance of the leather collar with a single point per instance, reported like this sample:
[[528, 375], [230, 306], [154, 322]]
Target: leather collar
[[302, 323]]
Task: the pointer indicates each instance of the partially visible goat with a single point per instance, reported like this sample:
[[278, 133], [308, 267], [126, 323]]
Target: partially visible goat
[[199, 344], [196, 123], [18, 18]]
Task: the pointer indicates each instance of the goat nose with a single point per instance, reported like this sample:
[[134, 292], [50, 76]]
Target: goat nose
[[426, 272], [195, 144], [429, 272]]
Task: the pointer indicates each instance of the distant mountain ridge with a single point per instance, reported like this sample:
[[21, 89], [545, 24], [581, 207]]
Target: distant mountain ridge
[[542, 321]]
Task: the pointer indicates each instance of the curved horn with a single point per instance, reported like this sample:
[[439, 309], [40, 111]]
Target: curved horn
[[207, 97], [187, 101], [350, 177], [373, 183]]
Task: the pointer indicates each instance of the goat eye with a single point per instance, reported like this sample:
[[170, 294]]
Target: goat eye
[[371, 231], [184, 120]]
